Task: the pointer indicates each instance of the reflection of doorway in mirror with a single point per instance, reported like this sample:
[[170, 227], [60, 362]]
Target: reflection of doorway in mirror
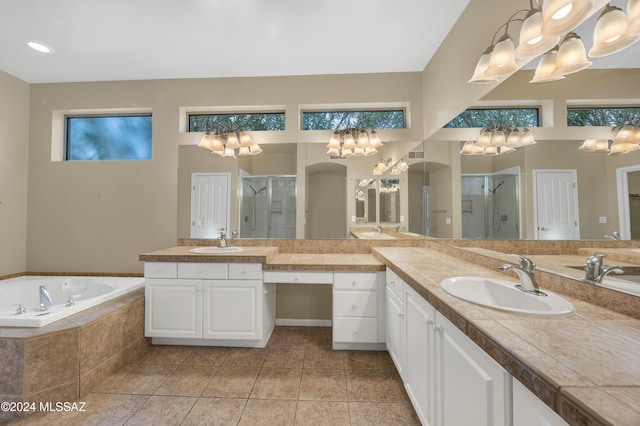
[[209, 204], [556, 204], [628, 184]]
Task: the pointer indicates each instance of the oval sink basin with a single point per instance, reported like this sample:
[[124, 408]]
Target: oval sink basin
[[503, 295], [215, 250], [372, 235], [412, 234]]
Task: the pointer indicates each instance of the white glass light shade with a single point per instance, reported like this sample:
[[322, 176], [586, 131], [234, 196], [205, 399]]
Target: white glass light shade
[[216, 143], [229, 153], [245, 139], [593, 145], [572, 56], [334, 152], [503, 59], [380, 168], [611, 33], [206, 141], [370, 151], [374, 140], [218, 153], [358, 152], [255, 149], [562, 16], [625, 134], [402, 166], [526, 138], [244, 150], [485, 138], [479, 76], [532, 42], [348, 142], [334, 141], [499, 138], [636, 137], [514, 139], [470, 148], [633, 12], [345, 153], [490, 151], [363, 139], [545, 71], [232, 141], [623, 147]]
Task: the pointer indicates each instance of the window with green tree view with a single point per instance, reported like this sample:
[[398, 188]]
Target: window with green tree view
[[250, 121], [353, 119], [601, 116], [483, 117]]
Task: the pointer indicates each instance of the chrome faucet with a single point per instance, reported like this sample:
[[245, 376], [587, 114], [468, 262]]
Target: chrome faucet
[[613, 235], [222, 238], [379, 228], [45, 299], [526, 272], [234, 235], [596, 271]]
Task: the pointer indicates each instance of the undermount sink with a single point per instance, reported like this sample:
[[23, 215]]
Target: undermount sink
[[503, 295], [215, 250], [411, 234], [372, 234]]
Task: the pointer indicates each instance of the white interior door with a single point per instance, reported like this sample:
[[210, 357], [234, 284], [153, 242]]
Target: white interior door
[[556, 204], [209, 204]]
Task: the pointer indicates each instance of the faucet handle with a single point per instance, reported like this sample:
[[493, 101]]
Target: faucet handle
[[525, 263]]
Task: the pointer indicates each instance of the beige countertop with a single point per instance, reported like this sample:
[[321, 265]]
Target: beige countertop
[[585, 366], [182, 254]]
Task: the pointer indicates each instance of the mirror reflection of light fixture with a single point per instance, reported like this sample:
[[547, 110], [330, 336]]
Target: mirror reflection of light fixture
[[595, 145], [572, 55], [353, 142], [399, 168], [562, 16], [496, 140], [389, 186], [532, 42], [229, 143], [611, 34], [626, 139], [545, 71], [382, 166]]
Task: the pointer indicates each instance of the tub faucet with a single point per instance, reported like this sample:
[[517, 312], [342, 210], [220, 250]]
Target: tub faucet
[[45, 299], [222, 238], [596, 271], [525, 271]]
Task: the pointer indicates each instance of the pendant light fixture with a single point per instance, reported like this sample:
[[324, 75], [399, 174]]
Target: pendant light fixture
[[572, 55], [229, 144], [562, 16], [495, 140], [353, 142], [611, 34], [545, 71]]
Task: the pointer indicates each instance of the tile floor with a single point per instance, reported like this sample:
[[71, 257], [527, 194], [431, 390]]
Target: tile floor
[[298, 379]]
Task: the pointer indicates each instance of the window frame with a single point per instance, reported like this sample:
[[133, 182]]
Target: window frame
[[403, 109], [537, 108], [190, 113], [601, 107], [70, 116]]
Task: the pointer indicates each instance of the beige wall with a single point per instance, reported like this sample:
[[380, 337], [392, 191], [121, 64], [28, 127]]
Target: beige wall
[[98, 216], [14, 144]]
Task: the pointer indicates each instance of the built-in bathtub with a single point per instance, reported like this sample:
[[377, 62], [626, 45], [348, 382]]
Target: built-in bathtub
[[20, 297]]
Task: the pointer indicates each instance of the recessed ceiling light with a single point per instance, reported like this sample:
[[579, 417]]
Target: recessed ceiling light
[[38, 46]]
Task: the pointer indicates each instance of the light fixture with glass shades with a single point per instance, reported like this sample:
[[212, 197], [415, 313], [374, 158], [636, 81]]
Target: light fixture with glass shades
[[229, 143], [626, 139], [548, 30], [396, 169], [353, 142], [495, 140]]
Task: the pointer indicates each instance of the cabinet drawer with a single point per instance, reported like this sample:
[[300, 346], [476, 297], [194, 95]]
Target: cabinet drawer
[[395, 284], [161, 270], [298, 277], [202, 270], [355, 304], [356, 330], [356, 281], [245, 271]]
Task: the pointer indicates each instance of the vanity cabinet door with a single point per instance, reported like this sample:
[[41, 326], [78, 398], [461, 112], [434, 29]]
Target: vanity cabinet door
[[233, 309], [473, 389], [395, 330], [529, 410], [419, 372], [173, 308]]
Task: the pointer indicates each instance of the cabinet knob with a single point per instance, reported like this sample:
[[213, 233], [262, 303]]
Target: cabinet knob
[[355, 331], [354, 306]]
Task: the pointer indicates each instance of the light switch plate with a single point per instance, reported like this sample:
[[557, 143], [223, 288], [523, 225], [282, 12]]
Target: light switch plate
[[602, 219]]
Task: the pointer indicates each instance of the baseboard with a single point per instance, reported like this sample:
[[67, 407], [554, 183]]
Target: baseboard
[[303, 322]]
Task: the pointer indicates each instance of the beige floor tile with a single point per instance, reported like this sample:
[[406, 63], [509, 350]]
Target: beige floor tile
[[325, 385], [143, 379], [291, 336], [187, 380], [284, 356], [277, 383], [207, 355], [245, 357], [322, 413], [108, 409], [377, 360], [317, 357], [44, 419], [376, 413], [232, 382], [166, 355], [215, 411], [163, 410], [108, 382], [374, 386], [272, 412]]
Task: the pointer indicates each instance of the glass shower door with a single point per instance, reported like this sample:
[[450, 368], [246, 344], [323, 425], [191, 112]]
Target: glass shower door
[[268, 207]]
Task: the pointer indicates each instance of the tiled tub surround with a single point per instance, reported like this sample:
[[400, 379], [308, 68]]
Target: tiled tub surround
[[64, 360], [584, 366]]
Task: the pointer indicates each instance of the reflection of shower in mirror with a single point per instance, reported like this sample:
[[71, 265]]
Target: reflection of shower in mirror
[[268, 207]]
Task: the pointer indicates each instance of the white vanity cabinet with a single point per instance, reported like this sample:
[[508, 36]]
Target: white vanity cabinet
[[449, 379], [529, 410], [208, 304], [395, 319], [358, 310]]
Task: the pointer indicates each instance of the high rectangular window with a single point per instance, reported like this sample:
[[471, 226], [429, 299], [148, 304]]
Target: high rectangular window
[[251, 121], [601, 116], [341, 120], [108, 137], [483, 117]]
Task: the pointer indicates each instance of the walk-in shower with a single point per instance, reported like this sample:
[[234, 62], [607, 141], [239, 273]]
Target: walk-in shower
[[490, 206], [268, 207]]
